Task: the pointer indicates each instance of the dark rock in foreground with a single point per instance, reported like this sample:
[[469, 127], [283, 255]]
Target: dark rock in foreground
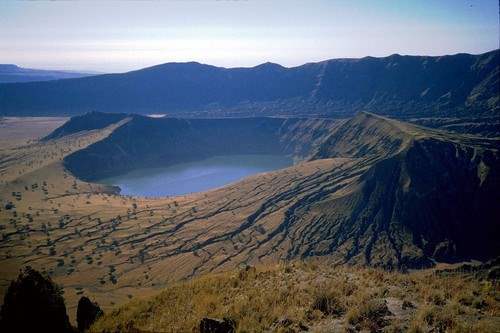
[[34, 303], [87, 313], [210, 325]]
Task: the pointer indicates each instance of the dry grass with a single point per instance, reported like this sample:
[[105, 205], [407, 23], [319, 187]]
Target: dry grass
[[115, 248], [319, 297], [112, 248], [15, 131]]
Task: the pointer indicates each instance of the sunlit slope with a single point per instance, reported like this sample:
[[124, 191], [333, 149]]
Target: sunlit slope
[[316, 296], [372, 191]]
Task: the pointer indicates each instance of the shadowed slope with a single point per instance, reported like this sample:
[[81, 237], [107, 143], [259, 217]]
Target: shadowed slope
[[402, 86], [86, 122], [424, 195], [150, 142]]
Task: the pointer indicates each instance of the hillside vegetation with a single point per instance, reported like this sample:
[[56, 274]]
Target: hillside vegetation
[[317, 297]]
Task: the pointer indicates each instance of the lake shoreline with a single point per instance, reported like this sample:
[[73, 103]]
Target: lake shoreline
[[193, 177]]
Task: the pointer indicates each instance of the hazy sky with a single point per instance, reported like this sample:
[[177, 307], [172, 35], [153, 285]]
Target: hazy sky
[[114, 36]]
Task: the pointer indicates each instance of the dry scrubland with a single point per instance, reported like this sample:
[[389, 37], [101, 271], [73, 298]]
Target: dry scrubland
[[114, 249], [110, 247], [15, 131], [317, 297]]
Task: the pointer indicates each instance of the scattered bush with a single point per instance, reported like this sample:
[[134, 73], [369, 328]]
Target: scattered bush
[[329, 303], [370, 314]]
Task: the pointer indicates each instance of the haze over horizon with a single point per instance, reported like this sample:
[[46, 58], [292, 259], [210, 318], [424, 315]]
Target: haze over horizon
[[118, 37]]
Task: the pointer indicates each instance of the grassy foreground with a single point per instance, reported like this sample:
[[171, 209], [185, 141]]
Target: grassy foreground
[[318, 298]]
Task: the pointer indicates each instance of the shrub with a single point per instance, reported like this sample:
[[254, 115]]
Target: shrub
[[33, 303], [328, 303], [369, 314], [86, 313]]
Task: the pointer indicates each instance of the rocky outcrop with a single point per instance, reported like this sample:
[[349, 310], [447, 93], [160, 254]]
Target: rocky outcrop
[[211, 325], [87, 313]]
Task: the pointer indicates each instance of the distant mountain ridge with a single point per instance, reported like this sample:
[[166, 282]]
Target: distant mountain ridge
[[399, 86], [10, 73]]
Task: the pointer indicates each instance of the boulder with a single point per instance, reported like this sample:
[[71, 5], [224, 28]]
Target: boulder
[[211, 325], [87, 313]]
